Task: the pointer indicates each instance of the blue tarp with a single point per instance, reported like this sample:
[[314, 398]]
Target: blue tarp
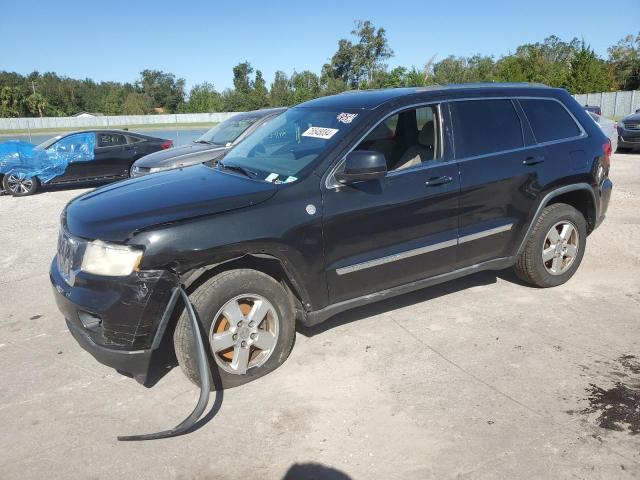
[[29, 160]]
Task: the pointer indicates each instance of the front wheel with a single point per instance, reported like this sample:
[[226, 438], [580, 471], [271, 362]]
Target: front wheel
[[249, 319], [19, 184], [555, 247]]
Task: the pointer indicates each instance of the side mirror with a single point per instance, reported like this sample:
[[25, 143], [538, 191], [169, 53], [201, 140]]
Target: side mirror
[[363, 165]]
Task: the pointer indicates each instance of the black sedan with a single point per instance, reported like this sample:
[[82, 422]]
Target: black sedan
[[76, 158], [211, 146]]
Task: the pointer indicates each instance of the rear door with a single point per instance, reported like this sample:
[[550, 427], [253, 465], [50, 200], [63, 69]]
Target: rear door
[[499, 166], [113, 156]]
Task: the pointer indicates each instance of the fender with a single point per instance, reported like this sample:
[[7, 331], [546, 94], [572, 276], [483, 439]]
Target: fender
[[550, 196], [247, 260]]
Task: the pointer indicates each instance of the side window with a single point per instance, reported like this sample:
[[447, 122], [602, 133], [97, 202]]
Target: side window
[[132, 139], [549, 120], [78, 147], [110, 140], [485, 126], [407, 139], [424, 115]]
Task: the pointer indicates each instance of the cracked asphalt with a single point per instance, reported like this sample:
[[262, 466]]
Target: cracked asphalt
[[482, 377]]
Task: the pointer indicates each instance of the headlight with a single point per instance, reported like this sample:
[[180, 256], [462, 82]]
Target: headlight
[[108, 259]]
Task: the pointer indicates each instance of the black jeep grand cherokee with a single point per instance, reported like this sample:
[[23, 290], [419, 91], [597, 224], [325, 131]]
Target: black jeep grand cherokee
[[337, 202]]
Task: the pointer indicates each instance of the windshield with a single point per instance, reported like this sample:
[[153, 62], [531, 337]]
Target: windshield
[[278, 151], [227, 131], [47, 143]]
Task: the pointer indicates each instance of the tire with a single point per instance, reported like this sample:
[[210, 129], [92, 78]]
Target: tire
[[19, 184], [530, 265], [208, 301]]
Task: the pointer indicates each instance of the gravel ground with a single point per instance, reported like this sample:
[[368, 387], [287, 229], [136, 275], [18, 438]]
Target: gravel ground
[[481, 377]]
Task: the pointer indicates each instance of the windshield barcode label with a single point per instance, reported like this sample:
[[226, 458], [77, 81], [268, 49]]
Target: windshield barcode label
[[320, 132]]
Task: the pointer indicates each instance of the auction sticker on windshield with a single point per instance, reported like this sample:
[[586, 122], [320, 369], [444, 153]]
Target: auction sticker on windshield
[[320, 132]]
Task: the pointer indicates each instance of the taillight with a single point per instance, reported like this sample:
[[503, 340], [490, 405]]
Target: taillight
[[607, 150], [167, 144]]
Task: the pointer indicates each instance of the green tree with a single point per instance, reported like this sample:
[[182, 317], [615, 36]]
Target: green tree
[[358, 63], [203, 98], [136, 103], [304, 86], [36, 103], [259, 92], [280, 93], [371, 51], [10, 102], [162, 88], [588, 73], [624, 59], [242, 77]]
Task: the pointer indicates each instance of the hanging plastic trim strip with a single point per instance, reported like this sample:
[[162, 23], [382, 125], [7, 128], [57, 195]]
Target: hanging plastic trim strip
[[203, 372]]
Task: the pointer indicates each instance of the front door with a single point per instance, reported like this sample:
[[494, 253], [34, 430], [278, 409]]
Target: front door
[[383, 233]]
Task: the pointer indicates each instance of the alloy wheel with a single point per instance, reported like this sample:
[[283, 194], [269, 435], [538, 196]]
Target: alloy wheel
[[244, 333], [560, 247], [19, 183]]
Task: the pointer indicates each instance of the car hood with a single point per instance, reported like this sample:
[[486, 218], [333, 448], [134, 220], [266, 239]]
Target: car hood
[[634, 117], [183, 155], [117, 211]]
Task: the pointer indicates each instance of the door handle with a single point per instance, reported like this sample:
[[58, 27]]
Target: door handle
[[435, 181], [533, 160]]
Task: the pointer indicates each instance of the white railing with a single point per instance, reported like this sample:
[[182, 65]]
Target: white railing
[[110, 121], [613, 104]]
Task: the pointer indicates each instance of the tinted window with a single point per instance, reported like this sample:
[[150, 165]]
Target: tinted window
[[549, 120], [110, 139], [485, 126]]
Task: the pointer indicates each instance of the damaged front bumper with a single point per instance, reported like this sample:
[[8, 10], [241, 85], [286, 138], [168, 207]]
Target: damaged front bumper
[[119, 320]]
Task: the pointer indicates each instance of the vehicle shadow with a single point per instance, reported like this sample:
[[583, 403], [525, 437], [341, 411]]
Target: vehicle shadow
[[401, 301], [314, 471]]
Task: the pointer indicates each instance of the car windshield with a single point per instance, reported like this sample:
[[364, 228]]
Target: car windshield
[[226, 132], [281, 149], [47, 143]]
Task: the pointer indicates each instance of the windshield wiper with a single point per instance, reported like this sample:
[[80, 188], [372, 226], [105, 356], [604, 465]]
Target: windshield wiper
[[203, 141], [237, 168]]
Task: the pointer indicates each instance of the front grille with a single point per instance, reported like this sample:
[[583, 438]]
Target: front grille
[[634, 125], [69, 254]]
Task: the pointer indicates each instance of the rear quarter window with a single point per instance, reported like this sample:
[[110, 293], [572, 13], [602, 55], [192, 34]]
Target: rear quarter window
[[549, 120], [485, 126]]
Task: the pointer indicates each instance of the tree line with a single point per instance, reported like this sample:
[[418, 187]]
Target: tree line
[[360, 62]]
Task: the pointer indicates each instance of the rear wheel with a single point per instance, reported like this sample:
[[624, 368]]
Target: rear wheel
[[555, 247], [249, 319], [19, 184]]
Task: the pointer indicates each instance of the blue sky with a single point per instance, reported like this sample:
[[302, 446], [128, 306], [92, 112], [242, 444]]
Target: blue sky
[[203, 40]]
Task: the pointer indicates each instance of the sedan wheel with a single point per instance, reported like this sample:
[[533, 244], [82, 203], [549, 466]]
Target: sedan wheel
[[19, 184]]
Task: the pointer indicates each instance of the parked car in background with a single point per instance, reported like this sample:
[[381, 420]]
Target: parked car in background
[[335, 203], [609, 128], [75, 158], [212, 145], [593, 109], [629, 132]]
